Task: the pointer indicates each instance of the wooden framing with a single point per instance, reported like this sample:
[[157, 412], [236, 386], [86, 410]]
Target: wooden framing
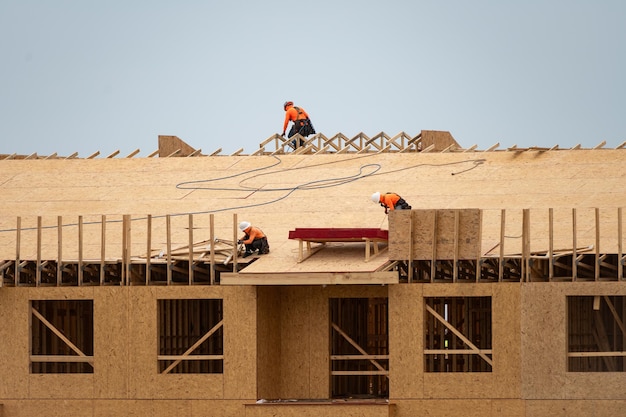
[[586, 263]]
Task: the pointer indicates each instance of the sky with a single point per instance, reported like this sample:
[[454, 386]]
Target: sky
[[105, 76]]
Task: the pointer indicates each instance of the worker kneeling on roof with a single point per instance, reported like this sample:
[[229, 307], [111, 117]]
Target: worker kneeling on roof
[[254, 239], [390, 201]]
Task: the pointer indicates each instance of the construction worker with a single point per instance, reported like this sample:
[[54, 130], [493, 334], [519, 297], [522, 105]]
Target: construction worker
[[301, 123], [390, 201], [254, 239]]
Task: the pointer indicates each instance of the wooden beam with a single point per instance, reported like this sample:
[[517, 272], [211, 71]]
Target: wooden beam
[[148, 247], [190, 249], [38, 266], [310, 278], [18, 236], [103, 233], [493, 147], [212, 247], [80, 250], [501, 253], [59, 250], [551, 244], [168, 223], [574, 255], [620, 248], [597, 260]]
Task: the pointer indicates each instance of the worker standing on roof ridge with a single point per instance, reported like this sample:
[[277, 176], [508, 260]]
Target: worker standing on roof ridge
[[390, 201], [254, 239], [301, 123]]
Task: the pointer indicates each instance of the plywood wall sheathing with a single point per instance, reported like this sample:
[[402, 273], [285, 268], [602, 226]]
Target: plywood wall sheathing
[[168, 145], [456, 234]]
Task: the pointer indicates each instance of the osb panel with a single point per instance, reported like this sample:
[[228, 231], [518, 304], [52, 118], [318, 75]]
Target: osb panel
[[508, 408], [111, 347], [216, 408], [506, 340], [144, 380], [14, 343], [268, 342], [319, 376], [170, 144], [505, 379], [296, 342], [319, 410], [462, 241], [130, 408], [440, 139], [240, 332], [65, 407], [455, 408], [544, 361], [544, 345], [228, 184], [406, 323]]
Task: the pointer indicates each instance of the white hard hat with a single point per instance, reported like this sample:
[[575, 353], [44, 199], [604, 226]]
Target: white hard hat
[[376, 197], [244, 225]]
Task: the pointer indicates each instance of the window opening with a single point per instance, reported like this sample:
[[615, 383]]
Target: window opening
[[191, 336], [458, 334], [359, 348], [61, 336], [596, 334]]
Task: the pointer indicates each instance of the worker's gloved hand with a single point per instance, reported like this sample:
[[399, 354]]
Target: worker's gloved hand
[[386, 210], [282, 135], [239, 242]]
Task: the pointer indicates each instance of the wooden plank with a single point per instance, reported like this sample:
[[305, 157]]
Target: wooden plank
[[620, 249], [310, 278], [550, 244], [38, 266], [190, 272], [80, 250], [597, 259], [235, 238], [148, 248], [410, 248], [574, 250], [103, 234], [59, 250], [168, 223], [18, 237], [501, 251], [455, 269], [212, 247]]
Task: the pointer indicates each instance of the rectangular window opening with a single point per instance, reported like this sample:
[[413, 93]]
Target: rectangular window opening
[[595, 333], [359, 348], [457, 334], [61, 336], [191, 336]]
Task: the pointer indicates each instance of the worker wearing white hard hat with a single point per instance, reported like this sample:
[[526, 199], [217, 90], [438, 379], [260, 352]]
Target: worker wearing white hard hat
[[390, 201], [254, 239]]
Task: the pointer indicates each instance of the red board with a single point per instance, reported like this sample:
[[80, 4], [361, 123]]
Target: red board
[[338, 234]]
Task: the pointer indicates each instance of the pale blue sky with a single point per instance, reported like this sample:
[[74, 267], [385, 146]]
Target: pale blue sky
[[86, 76]]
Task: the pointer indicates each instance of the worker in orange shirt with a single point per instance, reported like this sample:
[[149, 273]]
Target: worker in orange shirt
[[301, 122], [390, 201], [254, 239]]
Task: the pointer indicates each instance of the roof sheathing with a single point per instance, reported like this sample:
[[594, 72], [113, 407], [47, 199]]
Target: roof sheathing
[[281, 192]]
